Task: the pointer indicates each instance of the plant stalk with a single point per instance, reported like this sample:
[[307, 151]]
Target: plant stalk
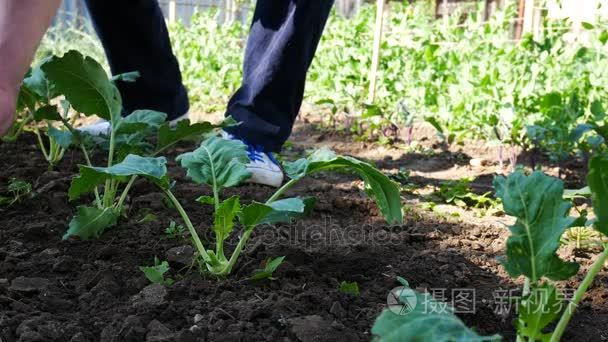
[[578, 295], [197, 241], [282, 190]]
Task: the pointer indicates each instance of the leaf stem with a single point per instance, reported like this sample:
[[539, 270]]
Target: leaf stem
[[123, 196], [282, 190], [578, 295], [197, 241], [237, 251]]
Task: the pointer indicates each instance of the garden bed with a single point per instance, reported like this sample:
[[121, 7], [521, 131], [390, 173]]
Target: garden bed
[[94, 291]]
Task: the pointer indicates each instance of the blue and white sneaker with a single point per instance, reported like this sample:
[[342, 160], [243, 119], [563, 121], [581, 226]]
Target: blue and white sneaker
[[102, 127], [263, 166]]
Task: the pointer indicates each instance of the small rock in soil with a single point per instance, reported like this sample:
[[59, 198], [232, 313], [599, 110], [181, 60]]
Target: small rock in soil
[[3, 282], [198, 318], [23, 284], [337, 310], [151, 295], [64, 264], [158, 332], [309, 328], [154, 201], [181, 255]]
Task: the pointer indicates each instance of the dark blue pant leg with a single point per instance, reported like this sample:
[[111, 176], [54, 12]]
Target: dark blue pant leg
[[135, 38], [282, 42]]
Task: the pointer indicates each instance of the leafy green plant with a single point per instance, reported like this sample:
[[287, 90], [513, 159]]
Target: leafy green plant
[[221, 163], [175, 231], [270, 265], [156, 273], [459, 192], [19, 189], [351, 288], [416, 316], [88, 89], [542, 217]]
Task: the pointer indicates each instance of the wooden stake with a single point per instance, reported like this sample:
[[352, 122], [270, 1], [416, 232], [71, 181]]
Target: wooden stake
[[172, 11], [373, 72]]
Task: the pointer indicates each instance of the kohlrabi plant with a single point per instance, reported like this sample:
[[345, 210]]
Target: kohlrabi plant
[[536, 200], [131, 145], [221, 163], [543, 215]]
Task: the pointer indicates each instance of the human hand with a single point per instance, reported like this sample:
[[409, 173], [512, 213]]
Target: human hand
[[8, 101]]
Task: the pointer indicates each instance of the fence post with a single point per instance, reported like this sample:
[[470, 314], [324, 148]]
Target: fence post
[[528, 16], [172, 11], [376, 51]]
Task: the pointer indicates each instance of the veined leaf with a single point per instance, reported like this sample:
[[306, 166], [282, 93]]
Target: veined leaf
[[378, 186], [48, 112], [85, 85], [224, 217], [154, 169], [542, 217], [37, 82], [598, 183], [184, 130], [252, 214], [63, 138], [90, 222], [536, 311], [156, 273], [288, 209], [141, 120], [219, 163], [419, 317]]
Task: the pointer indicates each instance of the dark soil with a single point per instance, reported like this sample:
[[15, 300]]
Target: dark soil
[[54, 290]]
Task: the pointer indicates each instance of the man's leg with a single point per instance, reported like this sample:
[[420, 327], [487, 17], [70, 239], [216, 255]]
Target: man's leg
[[22, 25], [282, 43], [135, 38]]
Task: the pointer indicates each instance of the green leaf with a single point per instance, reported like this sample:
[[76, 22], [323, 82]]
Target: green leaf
[[156, 273], [85, 84], [577, 193], [37, 82], [349, 288], [288, 209], [141, 120], [47, 113], [63, 138], [542, 217], [169, 135], [90, 222], [154, 169], [27, 99], [269, 269], [414, 316], [378, 186], [597, 179], [587, 26], [251, 215], [224, 217], [206, 200], [598, 111], [603, 37], [219, 163], [536, 311]]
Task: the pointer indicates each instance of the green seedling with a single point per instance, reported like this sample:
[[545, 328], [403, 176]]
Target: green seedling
[[349, 287], [19, 190], [156, 273], [175, 231], [270, 267]]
